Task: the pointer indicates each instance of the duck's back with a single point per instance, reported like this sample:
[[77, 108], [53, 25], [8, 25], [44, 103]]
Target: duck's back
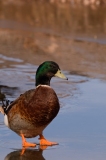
[[34, 109]]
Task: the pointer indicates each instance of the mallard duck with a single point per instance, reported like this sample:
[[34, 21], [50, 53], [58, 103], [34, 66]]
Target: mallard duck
[[30, 114]]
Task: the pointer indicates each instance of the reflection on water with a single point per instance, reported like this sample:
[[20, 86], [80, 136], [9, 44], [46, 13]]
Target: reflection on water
[[74, 38], [28, 155], [9, 91], [10, 58], [79, 126]]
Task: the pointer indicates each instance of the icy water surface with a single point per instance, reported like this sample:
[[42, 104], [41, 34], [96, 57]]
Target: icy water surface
[[79, 127]]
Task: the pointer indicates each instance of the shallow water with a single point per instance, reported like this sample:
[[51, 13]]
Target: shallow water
[[79, 127], [74, 37]]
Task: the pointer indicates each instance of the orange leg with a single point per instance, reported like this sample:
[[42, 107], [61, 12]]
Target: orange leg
[[25, 143], [45, 142]]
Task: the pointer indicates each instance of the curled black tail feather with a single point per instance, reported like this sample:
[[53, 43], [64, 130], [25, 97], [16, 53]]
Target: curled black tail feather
[[5, 104], [4, 101]]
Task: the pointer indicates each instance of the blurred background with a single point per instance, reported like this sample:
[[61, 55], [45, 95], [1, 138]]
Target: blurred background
[[70, 32], [73, 34]]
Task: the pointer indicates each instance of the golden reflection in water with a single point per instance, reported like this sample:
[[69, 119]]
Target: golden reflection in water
[[29, 154]]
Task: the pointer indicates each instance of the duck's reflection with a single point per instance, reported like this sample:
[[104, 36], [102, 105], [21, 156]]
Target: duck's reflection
[[29, 154]]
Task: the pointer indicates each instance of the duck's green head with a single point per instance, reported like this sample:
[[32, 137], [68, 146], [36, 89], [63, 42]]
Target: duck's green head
[[46, 71]]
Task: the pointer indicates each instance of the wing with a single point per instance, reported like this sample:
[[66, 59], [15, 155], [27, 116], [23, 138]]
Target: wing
[[23, 97], [38, 107]]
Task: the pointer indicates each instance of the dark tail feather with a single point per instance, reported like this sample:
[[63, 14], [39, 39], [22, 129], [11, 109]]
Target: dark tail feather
[[5, 104]]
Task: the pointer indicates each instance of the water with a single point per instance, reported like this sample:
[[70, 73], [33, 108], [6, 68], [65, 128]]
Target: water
[[74, 37], [79, 127]]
